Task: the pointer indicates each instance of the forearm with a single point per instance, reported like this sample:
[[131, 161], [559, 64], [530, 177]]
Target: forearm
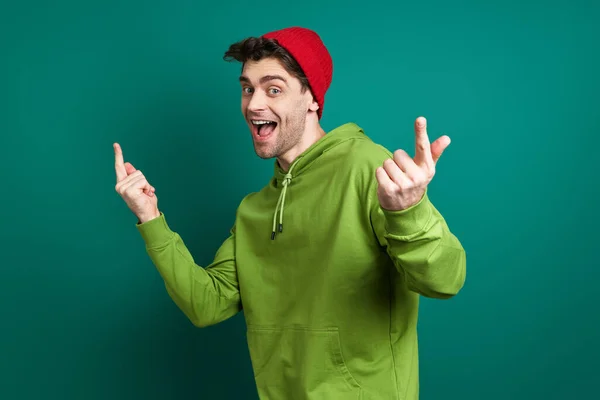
[[425, 250], [205, 295]]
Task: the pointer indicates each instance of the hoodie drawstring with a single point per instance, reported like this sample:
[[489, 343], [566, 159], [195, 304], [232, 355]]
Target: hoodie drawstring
[[280, 203]]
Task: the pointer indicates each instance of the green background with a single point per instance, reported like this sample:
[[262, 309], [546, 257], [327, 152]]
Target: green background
[[84, 313]]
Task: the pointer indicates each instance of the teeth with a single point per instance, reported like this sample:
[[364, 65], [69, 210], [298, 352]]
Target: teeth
[[259, 122]]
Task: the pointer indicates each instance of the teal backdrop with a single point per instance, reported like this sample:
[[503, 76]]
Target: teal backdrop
[[84, 313]]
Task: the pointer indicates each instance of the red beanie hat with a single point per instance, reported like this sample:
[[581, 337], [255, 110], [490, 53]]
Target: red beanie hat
[[306, 47]]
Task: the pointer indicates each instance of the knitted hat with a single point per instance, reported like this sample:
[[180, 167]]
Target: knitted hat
[[306, 47]]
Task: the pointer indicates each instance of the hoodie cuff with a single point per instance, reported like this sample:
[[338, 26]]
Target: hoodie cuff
[[156, 231], [409, 221]]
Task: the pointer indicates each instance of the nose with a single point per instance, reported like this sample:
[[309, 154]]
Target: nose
[[258, 102]]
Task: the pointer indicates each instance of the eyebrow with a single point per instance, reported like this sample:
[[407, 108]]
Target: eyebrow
[[264, 79]]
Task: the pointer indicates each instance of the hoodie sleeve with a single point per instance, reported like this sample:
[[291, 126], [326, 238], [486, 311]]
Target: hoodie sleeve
[[205, 295], [420, 244]]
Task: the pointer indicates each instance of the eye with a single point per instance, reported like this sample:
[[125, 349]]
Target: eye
[[274, 91], [247, 90]]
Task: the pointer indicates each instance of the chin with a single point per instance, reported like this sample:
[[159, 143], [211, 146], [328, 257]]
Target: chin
[[263, 153], [265, 148]]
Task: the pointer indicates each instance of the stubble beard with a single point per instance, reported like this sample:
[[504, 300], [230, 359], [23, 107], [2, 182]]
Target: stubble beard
[[287, 137]]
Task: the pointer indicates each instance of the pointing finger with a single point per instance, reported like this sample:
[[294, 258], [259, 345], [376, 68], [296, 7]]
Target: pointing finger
[[423, 155], [119, 164]]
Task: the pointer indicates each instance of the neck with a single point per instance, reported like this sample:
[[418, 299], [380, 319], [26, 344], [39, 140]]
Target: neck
[[310, 136]]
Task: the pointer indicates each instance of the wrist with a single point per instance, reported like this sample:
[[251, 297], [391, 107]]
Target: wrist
[[148, 217], [408, 221]]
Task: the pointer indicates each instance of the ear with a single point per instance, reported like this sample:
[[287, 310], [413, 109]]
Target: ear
[[314, 106]]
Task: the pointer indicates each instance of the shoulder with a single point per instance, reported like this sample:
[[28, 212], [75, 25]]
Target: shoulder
[[363, 155], [356, 161], [255, 200], [370, 152]]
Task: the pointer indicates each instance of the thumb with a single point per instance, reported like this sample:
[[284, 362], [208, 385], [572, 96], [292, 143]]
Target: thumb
[[129, 168], [438, 147]]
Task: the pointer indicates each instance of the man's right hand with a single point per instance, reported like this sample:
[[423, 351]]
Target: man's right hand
[[135, 189]]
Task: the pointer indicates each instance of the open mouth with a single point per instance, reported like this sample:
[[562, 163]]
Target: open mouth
[[263, 128]]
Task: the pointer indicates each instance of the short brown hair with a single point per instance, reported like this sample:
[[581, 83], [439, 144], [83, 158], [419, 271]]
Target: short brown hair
[[255, 49]]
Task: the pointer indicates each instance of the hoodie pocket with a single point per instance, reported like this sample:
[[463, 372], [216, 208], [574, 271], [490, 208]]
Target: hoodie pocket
[[299, 360]]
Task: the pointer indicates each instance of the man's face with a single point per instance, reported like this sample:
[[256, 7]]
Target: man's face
[[274, 107]]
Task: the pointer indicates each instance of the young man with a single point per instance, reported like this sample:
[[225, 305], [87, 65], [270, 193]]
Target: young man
[[328, 260]]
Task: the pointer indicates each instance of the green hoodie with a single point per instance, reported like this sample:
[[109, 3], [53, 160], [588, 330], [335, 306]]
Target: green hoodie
[[331, 298]]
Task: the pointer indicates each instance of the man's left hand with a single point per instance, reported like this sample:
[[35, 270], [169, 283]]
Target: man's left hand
[[403, 180]]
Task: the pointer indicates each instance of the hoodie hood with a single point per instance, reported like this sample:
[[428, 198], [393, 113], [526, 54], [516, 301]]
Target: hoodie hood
[[284, 180]]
